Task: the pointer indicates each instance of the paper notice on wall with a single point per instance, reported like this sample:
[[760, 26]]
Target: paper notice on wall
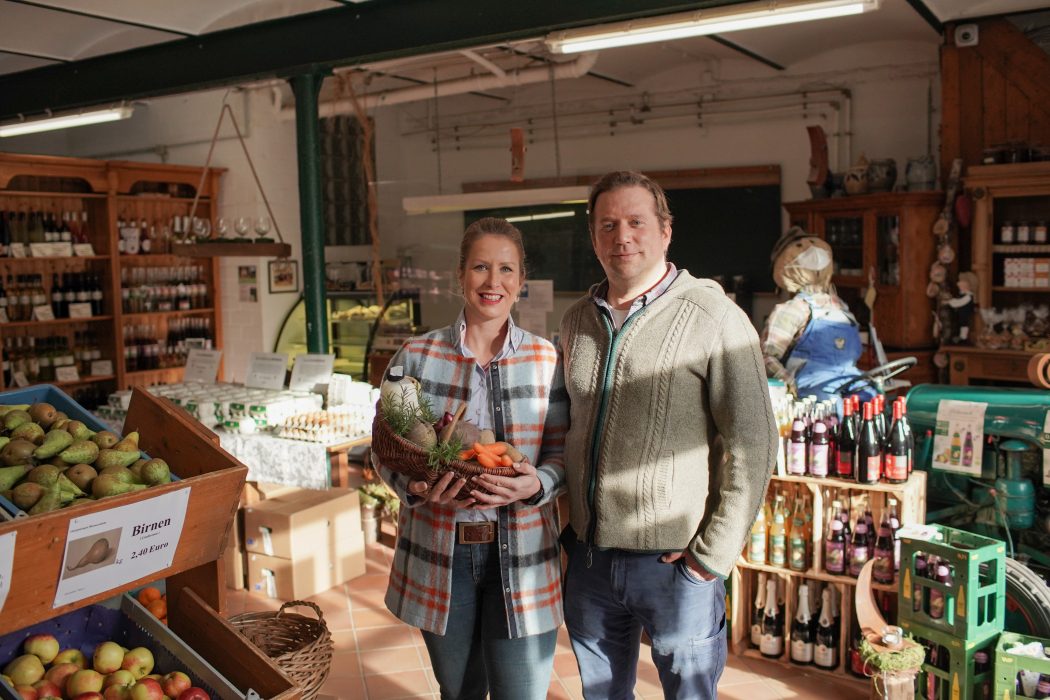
[[959, 439], [7, 560], [113, 547], [537, 295]]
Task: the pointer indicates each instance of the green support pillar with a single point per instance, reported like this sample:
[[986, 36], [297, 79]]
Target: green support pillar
[[307, 133]]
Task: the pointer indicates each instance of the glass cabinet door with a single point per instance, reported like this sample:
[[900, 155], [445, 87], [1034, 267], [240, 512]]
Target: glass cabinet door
[[845, 235], [887, 251]]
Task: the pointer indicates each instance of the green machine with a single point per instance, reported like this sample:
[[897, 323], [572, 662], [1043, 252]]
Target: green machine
[[1008, 497]]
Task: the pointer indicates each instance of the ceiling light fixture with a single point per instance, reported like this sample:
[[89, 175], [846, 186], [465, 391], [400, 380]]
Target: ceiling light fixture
[[540, 217], [437, 204], [65, 121], [719, 20]]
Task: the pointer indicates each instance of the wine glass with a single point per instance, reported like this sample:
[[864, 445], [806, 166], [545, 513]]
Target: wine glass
[[242, 226], [222, 227], [201, 228], [262, 227]]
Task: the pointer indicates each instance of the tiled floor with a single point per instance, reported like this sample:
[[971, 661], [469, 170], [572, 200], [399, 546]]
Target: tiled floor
[[379, 658]]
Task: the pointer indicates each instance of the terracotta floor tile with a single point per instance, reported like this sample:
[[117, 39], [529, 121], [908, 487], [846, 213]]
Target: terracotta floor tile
[[390, 661], [574, 687], [557, 691], [755, 690], [345, 664], [338, 620], [343, 640], [348, 688], [399, 685], [367, 617], [736, 672], [384, 637], [367, 598], [565, 666], [369, 581]]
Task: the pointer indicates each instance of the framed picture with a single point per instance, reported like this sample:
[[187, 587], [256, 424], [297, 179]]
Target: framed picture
[[284, 276]]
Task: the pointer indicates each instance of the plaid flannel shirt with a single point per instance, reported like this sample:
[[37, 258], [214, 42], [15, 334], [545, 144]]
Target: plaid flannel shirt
[[530, 401]]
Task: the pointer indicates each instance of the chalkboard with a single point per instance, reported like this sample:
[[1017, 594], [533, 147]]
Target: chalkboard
[[717, 232]]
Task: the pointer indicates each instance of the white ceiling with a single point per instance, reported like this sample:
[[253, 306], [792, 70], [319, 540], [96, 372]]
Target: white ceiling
[[36, 33]]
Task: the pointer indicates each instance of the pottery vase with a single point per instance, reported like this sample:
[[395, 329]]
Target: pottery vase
[[856, 180], [882, 174], [921, 173]]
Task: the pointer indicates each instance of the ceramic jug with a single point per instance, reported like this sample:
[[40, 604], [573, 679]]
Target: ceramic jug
[[856, 180], [921, 173], [882, 174]]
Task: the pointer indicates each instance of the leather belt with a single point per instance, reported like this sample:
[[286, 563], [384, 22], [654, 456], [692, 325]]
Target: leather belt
[[475, 533]]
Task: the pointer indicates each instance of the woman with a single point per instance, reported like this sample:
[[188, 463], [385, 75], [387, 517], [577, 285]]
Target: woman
[[477, 567], [812, 341]]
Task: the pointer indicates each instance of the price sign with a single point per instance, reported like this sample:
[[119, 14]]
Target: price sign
[[101, 368], [311, 370], [67, 374], [7, 560], [111, 548], [18, 250], [266, 370], [43, 313], [202, 366], [3, 316], [83, 250], [80, 309]]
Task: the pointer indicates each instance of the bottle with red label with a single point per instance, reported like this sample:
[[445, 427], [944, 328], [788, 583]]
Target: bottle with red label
[[846, 454], [895, 464], [909, 435], [869, 451]]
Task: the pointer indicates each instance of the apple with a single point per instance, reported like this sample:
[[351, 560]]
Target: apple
[[146, 689], [85, 680], [117, 692], [174, 683], [70, 656], [59, 674], [121, 677], [26, 692], [139, 661], [47, 689], [88, 696], [25, 670], [43, 645], [108, 657], [193, 693]]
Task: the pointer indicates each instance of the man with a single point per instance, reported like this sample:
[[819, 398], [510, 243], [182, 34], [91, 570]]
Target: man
[[671, 445]]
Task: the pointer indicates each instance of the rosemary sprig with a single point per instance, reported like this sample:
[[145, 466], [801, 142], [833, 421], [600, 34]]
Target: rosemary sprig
[[399, 416], [443, 453]]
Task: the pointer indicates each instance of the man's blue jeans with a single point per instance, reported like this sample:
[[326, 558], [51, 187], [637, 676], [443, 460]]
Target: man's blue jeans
[[474, 656], [613, 597]]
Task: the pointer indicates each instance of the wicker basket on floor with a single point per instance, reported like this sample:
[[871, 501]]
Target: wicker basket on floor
[[301, 646]]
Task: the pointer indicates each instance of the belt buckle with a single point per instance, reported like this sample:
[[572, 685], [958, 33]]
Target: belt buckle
[[476, 533]]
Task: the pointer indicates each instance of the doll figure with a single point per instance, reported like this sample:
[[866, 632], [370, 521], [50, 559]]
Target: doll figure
[[963, 305]]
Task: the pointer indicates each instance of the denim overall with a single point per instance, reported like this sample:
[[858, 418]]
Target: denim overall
[[829, 348]]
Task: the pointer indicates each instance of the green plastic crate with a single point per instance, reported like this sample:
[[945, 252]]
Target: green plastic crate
[[1007, 666], [956, 679], [974, 605]]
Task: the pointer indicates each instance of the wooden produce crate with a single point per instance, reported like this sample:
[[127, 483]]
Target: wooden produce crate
[[214, 480]]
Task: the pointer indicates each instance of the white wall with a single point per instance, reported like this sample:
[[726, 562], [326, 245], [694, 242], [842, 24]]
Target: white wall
[[889, 84]]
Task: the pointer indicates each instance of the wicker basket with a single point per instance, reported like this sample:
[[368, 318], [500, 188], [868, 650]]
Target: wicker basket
[[405, 457], [301, 647]]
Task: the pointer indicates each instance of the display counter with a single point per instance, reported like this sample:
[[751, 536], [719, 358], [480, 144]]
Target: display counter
[[308, 465]]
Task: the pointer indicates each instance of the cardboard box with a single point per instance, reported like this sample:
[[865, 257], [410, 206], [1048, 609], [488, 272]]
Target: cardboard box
[[258, 491], [235, 561], [306, 542]]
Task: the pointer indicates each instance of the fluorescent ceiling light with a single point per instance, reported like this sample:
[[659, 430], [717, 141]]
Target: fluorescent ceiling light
[[541, 217], [66, 121], [719, 20], [436, 204]]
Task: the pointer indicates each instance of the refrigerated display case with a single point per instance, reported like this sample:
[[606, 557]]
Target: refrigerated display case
[[356, 324]]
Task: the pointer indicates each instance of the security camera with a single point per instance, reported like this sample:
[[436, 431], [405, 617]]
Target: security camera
[[966, 35]]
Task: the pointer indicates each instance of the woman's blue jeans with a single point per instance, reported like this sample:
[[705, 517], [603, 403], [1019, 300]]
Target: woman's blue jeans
[[474, 656], [612, 595]]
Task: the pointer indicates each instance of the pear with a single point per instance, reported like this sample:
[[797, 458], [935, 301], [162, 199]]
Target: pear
[[43, 413], [3, 441], [105, 439], [26, 494], [81, 475], [80, 452], [13, 419], [17, 452], [60, 424], [7, 408], [115, 458], [51, 500], [155, 472], [78, 430], [54, 442], [130, 443], [45, 474], [28, 431], [122, 474], [108, 485], [9, 476]]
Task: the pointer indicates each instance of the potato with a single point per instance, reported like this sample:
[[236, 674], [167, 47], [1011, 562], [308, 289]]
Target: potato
[[513, 452], [486, 437]]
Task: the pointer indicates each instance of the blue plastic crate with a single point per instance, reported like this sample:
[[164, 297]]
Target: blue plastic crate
[[61, 401], [130, 625]]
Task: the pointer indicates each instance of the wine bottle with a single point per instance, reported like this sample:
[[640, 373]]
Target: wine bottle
[[772, 643], [56, 296], [798, 559], [826, 644], [758, 611], [802, 630], [845, 465], [96, 295], [879, 415], [778, 536], [936, 595], [882, 570], [909, 435], [818, 450], [897, 456], [796, 457], [869, 452], [859, 551], [895, 526], [835, 550]]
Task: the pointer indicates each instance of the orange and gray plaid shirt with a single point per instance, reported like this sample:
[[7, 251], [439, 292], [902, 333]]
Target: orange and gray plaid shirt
[[530, 409]]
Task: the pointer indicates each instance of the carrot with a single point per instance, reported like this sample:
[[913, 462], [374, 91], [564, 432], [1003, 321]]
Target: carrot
[[496, 449], [487, 461], [506, 461], [466, 455]]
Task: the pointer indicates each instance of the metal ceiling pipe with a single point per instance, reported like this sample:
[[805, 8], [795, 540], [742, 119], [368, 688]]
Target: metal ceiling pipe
[[478, 83]]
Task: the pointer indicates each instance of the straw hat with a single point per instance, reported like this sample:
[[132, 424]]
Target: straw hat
[[789, 246]]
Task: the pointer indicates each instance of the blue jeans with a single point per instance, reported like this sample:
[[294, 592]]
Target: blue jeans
[[474, 656], [611, 599]]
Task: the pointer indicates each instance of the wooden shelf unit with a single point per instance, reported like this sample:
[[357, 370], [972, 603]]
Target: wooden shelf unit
[[911, 500], [105, 190]]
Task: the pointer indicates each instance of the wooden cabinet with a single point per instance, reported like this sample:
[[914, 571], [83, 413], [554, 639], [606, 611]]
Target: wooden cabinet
[[911, 507], [888, 239], [91, 197], [1009, 273]]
